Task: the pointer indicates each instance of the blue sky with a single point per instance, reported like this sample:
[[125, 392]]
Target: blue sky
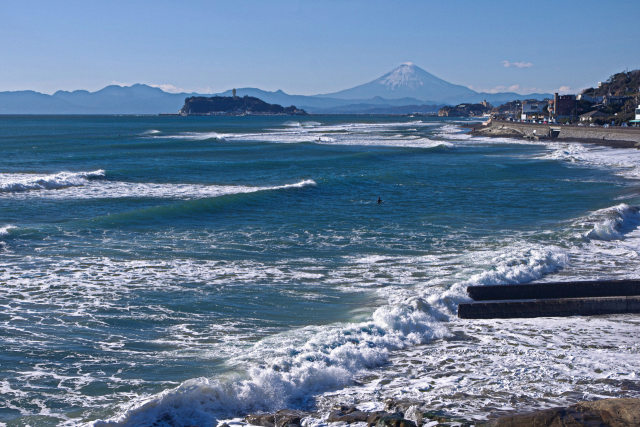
[[308, 47]]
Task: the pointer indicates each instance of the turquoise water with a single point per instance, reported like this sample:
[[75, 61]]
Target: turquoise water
[[246, 261]]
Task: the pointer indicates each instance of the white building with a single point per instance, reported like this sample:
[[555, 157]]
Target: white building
[[532, 109], [636, 122]]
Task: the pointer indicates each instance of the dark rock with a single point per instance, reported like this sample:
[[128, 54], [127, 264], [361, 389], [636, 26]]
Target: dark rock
[[373, 418], [605, 413], [344, 409], [394, 420], [288, 418], [265, 420], [351, 417]]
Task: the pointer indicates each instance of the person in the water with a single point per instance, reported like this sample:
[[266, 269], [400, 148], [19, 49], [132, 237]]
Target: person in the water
[[379, 200]]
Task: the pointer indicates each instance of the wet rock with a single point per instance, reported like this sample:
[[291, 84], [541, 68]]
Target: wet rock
[[373, 417], [351, 417], [344, 409], [288, 418], [282, 418], [605, 413], [400, 405], [264, 420], [394, 420]]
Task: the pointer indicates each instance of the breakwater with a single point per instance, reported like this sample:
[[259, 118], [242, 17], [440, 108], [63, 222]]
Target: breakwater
[[585, 298], [614, 136]]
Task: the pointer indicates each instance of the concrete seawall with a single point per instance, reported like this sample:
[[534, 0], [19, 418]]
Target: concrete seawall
[[614, 136], [556, 307], [586, 298], [584, 289]]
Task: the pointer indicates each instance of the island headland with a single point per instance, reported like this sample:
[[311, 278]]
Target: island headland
[[234, 106]]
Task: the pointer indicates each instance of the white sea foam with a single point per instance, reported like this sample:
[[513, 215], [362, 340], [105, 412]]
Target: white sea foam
[[198, 136], [489, 367], [449, 131], [66, 185], [371, 134], [301, 124], [623, 161], [328, 360], [21, 182], [298, 365]]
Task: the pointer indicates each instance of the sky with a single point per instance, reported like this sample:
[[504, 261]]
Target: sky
[[314, 46]]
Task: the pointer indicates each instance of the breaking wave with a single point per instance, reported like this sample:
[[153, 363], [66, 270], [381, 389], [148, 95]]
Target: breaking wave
[[613, 223], [198, 136], [6, 230], [288, 370], [81, 187], [15, 183], [359, 134]]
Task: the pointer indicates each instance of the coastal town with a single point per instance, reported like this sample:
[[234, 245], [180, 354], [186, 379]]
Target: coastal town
[[615, 102]]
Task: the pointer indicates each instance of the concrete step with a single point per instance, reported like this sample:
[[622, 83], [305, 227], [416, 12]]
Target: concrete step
[[553, 307], [594, 288]]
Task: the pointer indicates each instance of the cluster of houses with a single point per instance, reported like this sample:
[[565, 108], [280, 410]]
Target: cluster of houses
[[565, 107]]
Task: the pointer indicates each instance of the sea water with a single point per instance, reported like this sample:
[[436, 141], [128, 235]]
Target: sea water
[[187, 270]]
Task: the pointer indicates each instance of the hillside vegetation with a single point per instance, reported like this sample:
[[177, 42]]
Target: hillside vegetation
[[620, 84]]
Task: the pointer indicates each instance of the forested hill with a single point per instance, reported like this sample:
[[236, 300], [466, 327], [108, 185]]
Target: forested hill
[[233, 105]]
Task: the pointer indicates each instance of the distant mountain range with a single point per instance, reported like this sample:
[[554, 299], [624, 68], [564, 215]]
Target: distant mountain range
[[406, 89]]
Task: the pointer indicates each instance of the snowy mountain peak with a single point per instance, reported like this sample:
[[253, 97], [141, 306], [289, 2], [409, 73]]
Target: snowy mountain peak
[[406, 75]]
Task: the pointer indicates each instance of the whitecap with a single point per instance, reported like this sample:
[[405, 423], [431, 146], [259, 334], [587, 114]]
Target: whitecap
[[6, 230], [102, 189], [21, 182]]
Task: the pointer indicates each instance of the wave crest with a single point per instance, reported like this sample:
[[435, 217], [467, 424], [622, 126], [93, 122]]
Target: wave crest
[[6, 230], [15, 183], [613, 223]]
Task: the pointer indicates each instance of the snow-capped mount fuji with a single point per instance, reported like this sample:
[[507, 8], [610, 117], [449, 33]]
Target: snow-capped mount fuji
[[409, 81]]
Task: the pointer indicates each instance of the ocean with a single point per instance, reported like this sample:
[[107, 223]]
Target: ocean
[[190, 270]]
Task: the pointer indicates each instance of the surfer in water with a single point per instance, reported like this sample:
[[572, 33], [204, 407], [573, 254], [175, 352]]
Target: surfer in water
[[379, 200]]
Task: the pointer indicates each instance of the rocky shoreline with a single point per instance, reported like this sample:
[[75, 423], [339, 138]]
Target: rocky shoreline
[[616, 412], [616, 137]]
